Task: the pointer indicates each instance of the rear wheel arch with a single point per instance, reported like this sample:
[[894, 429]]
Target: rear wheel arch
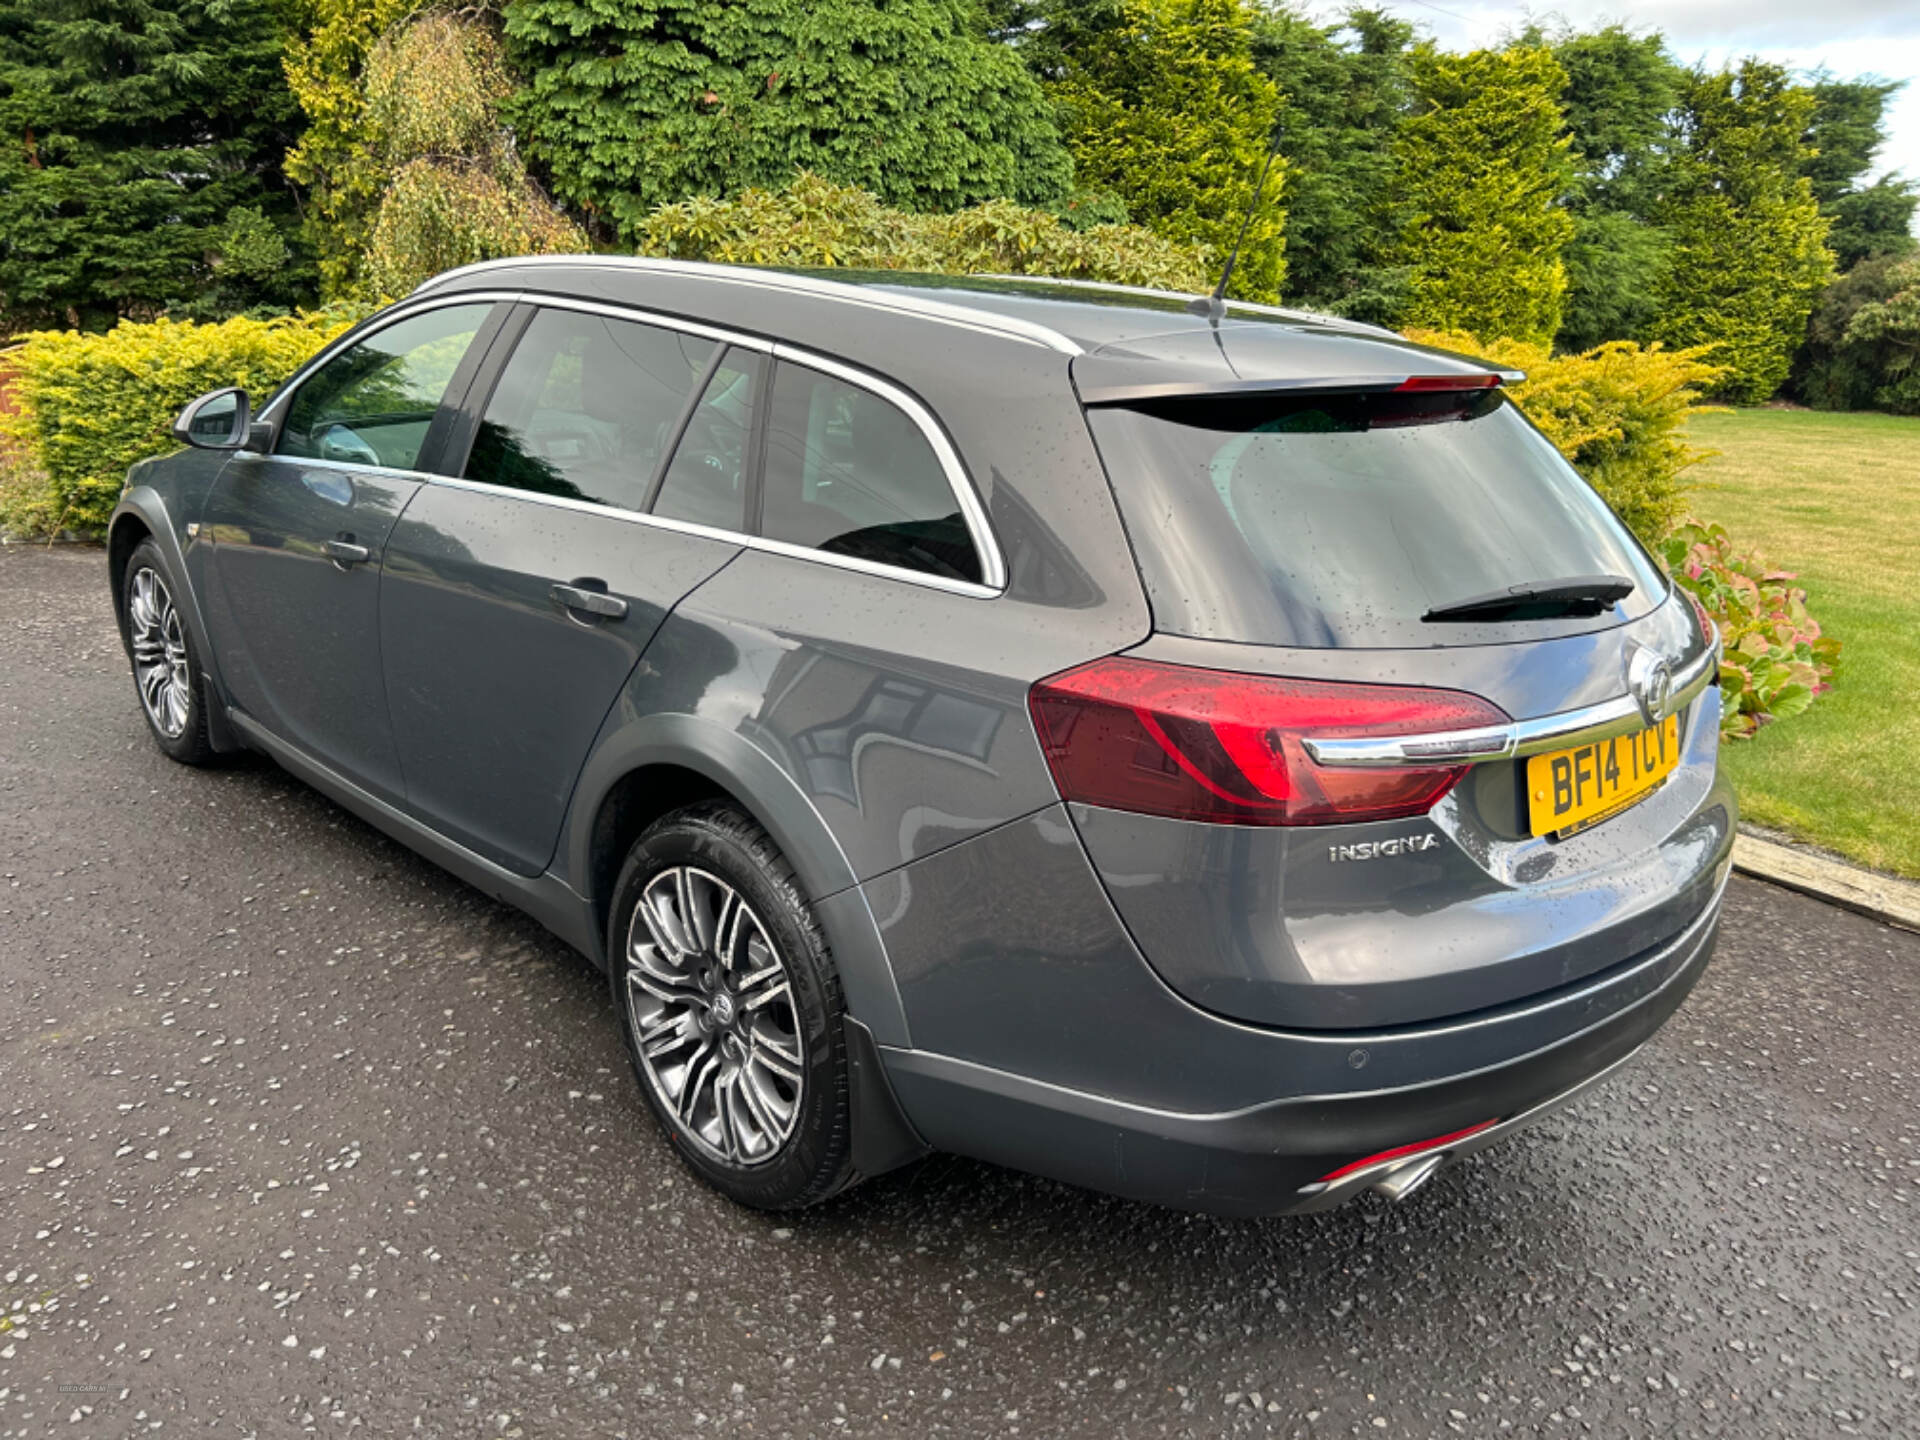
[[633, 802], [698, 758], [656, 764]]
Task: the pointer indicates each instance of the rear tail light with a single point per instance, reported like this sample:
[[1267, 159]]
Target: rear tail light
[[1430, 383], [1226, 748], [1432, 400]]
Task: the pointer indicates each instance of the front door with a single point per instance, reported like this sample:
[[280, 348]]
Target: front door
[[296, 540], [515, 603]]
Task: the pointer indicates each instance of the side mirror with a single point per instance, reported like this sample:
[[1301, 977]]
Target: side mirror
[[216, 421]]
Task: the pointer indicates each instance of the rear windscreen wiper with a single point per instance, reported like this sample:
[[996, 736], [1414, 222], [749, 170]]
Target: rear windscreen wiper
[[1539, 600]]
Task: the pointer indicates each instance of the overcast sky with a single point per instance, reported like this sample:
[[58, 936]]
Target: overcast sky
[[1850, 37]]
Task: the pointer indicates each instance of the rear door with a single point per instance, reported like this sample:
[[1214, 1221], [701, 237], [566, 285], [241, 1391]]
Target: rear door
[[295, 537], [517, 599]]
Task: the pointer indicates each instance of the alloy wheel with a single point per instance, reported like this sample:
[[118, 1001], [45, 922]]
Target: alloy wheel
[[711, 1005], [159, 653]]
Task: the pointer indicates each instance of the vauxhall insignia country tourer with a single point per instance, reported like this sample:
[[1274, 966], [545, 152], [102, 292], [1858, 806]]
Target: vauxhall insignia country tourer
[[1218, 755]]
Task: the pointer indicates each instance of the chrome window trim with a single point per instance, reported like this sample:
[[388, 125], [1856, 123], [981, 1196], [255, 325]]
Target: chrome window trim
[[993, 569], [662, 522], [387, 318], [1618, 716], [986, 321], [641, 315], [992, 563]]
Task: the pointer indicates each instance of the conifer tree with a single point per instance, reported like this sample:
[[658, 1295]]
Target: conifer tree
[[1163, 107], [1749, 242], [1344, 90], [1621, 88], [141, 170], [1848, 126], [1482, 165]]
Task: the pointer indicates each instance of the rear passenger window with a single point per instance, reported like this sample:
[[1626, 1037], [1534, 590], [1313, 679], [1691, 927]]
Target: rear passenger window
[[707, 481], [586, 407], [847, 472]]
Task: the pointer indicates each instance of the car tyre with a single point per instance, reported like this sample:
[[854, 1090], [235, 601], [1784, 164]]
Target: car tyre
[[731, 1008], [166, 667]]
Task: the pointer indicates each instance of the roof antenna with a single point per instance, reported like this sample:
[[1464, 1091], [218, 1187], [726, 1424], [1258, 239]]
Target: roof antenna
[[1214, 306]]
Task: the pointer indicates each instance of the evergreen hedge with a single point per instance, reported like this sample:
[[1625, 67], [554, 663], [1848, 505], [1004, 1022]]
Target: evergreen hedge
[[1163, 107], [141, 168], [89, 405], [629, 104]]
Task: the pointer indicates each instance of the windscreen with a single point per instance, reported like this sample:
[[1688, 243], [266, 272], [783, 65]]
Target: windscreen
[[1342, 520]]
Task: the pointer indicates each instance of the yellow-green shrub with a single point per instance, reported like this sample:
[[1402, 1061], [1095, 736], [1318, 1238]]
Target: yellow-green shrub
[[27, 504], [439, 214], [815, 222], [456, 190], [334, 158], [1615, 412], [90, 404]]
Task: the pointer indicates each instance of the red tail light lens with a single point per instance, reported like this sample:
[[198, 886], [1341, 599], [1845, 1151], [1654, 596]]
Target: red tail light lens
[[1225, 748], [1448, 382]]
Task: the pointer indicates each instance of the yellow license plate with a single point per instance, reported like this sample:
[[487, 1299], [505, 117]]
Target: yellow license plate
[[1571, 789]]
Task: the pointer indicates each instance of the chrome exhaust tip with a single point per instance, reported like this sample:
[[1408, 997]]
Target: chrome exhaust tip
[[1397, 1184]]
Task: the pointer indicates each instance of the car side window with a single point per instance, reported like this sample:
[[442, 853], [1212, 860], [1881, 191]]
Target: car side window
[[850, 473], [586, 408], [707, 481], [372, 403]]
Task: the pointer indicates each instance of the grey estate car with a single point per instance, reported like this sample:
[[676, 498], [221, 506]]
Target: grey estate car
[[1228, 760]]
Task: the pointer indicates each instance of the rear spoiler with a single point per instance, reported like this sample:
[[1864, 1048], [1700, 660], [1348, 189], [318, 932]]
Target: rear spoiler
[[1112, 382]]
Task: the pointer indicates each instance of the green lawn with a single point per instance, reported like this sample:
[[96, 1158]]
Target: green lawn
[[1835, 498]]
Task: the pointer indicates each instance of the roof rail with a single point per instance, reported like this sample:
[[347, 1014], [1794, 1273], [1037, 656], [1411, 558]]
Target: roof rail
[[899, 302]]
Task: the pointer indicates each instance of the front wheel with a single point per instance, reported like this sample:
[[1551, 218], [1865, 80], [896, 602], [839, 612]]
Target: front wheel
[[731, 1009], [164, 665]]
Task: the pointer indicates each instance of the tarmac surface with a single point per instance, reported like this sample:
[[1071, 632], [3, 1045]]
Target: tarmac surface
[[299, 1134]]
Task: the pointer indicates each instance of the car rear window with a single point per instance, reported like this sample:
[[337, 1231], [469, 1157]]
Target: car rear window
[[1337, 521]]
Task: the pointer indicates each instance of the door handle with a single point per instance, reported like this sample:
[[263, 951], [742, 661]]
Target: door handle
[[345, 553], [590, 602]]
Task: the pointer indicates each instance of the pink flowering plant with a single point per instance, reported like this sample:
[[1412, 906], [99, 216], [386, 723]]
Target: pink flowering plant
[[1775, 659]]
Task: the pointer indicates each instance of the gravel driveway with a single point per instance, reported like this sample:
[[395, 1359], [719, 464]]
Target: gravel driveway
[[298, 1133]]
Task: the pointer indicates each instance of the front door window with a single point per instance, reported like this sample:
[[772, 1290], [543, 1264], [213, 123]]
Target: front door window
[[372, 403]]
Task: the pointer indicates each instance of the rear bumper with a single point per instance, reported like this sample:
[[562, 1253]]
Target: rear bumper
[[1398, 1174], [1269, 1158], [1279, 926]]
